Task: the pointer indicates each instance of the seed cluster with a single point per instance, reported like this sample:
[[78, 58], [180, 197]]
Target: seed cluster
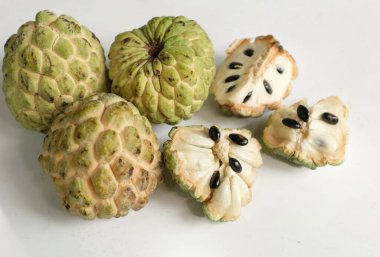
[[235, 165], [249, 52], [235, 66], [303, 114]]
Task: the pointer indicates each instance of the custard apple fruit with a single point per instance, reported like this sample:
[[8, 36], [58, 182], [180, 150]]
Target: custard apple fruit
[[309, 136], [255, 75], [103, 157], [165, 68], [49, 63], [217, 166]]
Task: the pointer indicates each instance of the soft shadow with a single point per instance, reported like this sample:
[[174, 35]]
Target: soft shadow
[[276, 162], [219, 59], [257, 126], [194, 206], [27, 188], [210, 114]]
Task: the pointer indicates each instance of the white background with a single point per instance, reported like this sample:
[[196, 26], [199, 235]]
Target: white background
[[334, 211]]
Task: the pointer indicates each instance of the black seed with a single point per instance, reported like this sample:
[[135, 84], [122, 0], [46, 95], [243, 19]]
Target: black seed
[[268, 88], [235, 165], [247, 97], [235, 65], [232, 78], [303, 112], [215, 180], [279, 70], [249, 52], [330, 118], [214, 133], [291, 123], [231, 88], [238, 139], [220, 163]]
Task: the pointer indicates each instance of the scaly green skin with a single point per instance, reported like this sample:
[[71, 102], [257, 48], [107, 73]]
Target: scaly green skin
[[48, 64], [165, 68], [170, 161], [103, 157]]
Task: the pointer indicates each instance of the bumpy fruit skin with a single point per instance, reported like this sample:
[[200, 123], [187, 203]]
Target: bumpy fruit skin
[[165, 68], [316, 142], [193, 159], [48, 64], [103, 157]]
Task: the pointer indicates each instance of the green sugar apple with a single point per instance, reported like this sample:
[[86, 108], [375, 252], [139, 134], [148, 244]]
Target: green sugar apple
[[48, 64], [103, 157], [165, 68]]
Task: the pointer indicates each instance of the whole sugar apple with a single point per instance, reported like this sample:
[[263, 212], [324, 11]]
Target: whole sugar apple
[[103, 157], [309, 136], [217, 166], [165, 68], [49, 63], [255, 75]]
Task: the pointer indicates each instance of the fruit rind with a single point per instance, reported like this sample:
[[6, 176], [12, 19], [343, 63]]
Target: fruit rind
[[102, 171], [48, 64], [165, 68]]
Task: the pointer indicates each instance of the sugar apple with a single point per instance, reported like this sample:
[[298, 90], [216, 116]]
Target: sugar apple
[[309, 136], [103, 157], [165, 68], [255, 75], [217, 166], [49, 63]]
